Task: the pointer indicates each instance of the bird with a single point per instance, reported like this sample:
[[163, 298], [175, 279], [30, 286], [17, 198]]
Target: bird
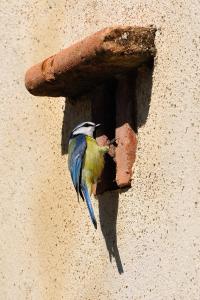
[[85, 162]]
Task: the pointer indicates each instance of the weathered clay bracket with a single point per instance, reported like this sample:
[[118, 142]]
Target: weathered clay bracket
[[101, 65]]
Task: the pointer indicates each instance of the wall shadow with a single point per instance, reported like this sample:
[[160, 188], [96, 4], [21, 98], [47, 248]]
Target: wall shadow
[[134, 91], [108, 211], [142, 95], [103, 104], [75, 111]]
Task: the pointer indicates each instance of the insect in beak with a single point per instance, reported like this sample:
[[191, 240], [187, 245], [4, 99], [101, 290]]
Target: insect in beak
[[97, 125]]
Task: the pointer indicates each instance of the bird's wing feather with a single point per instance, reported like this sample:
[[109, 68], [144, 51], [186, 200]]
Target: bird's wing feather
[[77, 147], [89, 204], [76, 152]]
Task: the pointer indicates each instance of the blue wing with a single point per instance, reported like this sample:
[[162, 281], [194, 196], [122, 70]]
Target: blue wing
[[76, 151], [85, 192]]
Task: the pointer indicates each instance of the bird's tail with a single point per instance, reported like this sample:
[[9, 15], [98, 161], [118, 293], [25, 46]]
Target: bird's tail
[[86, 195]]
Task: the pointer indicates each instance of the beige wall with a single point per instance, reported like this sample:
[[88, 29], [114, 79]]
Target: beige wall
[[48, 248]]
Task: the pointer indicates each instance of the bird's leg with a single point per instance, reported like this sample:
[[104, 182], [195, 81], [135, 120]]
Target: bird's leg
[[94, 187]]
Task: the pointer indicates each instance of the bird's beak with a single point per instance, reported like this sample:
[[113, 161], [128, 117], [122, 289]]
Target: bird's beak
[[97, 125]]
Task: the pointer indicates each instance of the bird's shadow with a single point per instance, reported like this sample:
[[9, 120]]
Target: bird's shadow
[[108, 211], [79, 111]]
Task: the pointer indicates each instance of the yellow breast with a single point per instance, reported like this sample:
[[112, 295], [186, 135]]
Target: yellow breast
[[93, 163]]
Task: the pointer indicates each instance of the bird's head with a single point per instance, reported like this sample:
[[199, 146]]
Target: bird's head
[[86, 128]]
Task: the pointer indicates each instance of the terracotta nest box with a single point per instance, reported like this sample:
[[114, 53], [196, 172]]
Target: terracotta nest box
[[102, 65]]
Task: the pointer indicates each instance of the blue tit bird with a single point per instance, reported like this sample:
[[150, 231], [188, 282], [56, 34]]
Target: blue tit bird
[[85, 162]]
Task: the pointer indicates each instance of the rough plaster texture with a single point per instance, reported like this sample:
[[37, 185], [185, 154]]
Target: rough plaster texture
[[48, 247]]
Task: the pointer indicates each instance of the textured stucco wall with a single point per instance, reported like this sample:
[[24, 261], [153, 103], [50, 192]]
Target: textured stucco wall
[[48, 248]]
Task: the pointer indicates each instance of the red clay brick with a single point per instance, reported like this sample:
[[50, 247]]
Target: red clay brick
[[79, 68], [125, 151], [125, 154]]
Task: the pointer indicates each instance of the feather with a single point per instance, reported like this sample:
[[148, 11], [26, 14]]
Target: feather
[[85, 192], [77, 147]]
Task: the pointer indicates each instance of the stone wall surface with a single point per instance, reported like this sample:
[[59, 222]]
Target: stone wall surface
[[48, 247]]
